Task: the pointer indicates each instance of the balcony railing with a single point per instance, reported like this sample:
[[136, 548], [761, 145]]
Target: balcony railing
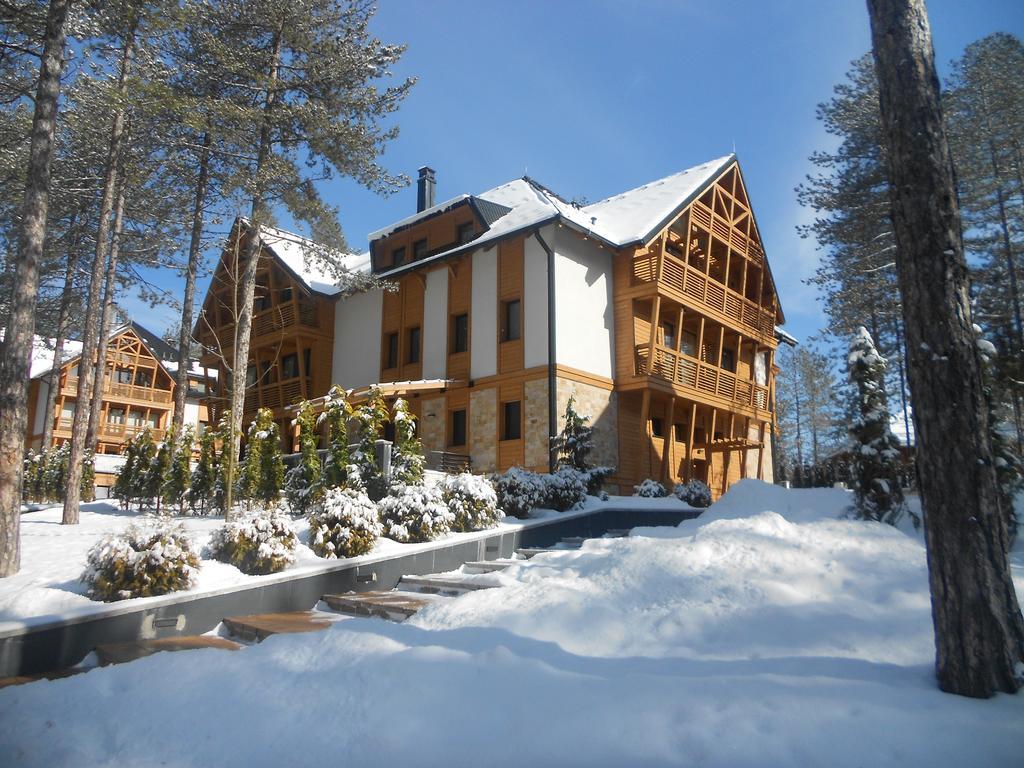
[[113, 431], [691, 373], [700, 215], [117, 391], [698, 287], [267, 321]]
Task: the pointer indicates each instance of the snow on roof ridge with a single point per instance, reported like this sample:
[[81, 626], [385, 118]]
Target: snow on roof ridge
[[281, 242], [658, 182], [440, 207]]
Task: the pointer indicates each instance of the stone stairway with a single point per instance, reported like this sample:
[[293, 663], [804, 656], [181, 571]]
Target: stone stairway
[[412, 594]]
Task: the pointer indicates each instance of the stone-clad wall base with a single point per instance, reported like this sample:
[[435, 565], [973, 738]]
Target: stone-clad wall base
[[483, 429], [601, 405], [432, 424], [536, 424]]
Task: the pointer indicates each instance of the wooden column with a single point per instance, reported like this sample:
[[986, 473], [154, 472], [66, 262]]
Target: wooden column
[[707, 451], [303, 392], [655, 321], [746, 436], [760, 454], [689, 442], [670, 438], [645, 412], [727, 459]]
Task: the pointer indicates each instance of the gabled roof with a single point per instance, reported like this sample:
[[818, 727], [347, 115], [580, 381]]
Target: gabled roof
[[160, 348], [304, 259], [624, 219], [43, 349]]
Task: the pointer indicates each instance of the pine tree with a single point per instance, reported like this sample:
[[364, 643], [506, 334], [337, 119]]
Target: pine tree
[[336, 413], [155, 476], [124, 485], [302, 485], [55, 478], [875, 451], [364, 474], [263, 469], [204, 476], [1009, 469], [87, 485], [179, 475], [575, 442], [407, 461], [979, 630], [305, 74], [31, 478], [16, 349]]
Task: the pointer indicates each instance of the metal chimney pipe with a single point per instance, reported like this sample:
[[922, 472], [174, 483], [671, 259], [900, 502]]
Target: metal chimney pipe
[[425, 186]]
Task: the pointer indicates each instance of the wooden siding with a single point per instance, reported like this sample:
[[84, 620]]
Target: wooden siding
[[510, 287]]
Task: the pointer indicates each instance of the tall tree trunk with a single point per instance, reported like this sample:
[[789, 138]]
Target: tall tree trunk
[[250, 260], [979, 631], [53, 379], [106, 317], [16, 351], [90, 336], [194, 252]]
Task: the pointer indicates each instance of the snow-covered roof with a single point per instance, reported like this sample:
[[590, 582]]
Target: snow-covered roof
[[626, 218], [195, 369], [305, 259], [632, 216], [782, 336], [424, 214], [42, 354]]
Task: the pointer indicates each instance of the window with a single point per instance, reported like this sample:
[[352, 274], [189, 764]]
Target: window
[[682, 432], [391, 350], [67, 412], [135, 418], [414, 345], [115, 416], [290, 366], [460, 333], [286, 295], [466, 232], [458, 434], [124, 376], [250, 376], [398, 257], [511, 421], [657, 428], [668, 331], [511, 326], [268, 374], [260, 303], [419, 249], [729, 359], [689, 343], [144, 378], [307, 354]]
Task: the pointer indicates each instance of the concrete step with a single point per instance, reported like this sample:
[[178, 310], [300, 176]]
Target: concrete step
[[489, 566], [574, 542], [529, 552], [617, 533], [440, 585], [394, 606], [259, 626], [119, 653]]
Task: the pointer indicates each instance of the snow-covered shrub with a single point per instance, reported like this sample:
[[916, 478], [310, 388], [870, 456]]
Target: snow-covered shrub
[[695, 493], [596, 477], [519, 491], [576, 440], [344, 523], [262, 472], [650, 489], [472, 501], [407, 461], [256, 543], [302, 483], [142, 561], [414, 513], [565, 488]]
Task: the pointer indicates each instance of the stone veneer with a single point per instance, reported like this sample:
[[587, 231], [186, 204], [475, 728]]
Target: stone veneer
[[601, 405], [483, 429], [535, 412], [433, 424]]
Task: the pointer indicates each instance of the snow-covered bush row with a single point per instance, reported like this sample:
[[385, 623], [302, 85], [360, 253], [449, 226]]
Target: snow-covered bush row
[[565, 488], [257, 543], [519, 491], [414, 513], [650, 489], [141, 561], [695, 493], [471, 500], [344, 523]]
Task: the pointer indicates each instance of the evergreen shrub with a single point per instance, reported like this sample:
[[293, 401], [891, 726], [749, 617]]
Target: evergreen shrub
[[650, 489], [471, 500], [344, 523], [695, 493], [414, 513], [256, 543], [141, 561]]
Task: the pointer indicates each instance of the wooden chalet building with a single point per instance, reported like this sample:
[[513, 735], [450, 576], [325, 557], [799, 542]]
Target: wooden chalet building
[[655, 308]]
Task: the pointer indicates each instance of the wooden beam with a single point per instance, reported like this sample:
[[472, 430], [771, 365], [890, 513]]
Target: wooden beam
[[645, 412], [655, 322], [760, 454], [670, 438]]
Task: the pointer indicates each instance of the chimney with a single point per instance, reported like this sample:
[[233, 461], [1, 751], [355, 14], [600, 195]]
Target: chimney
[[425, 189]]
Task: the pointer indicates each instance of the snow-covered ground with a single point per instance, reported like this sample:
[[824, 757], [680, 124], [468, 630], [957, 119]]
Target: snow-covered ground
[[766, 633]]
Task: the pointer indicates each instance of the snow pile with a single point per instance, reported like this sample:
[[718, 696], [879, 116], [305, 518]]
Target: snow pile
[[650, 489], [413, 513], [259, 542], [472, 501], [344, 524], [776, 636], [148, 559]]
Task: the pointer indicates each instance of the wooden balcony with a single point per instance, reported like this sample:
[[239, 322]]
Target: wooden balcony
[[110, 432], [691, 286], [700, 215], [268, 321], [273, 396], [701, 378], [115, 391]]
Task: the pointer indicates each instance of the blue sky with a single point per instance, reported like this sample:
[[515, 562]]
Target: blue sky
[[593, 97]]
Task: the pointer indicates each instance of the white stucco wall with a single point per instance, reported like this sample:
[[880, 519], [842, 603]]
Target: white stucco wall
[[192, 412], [483, 345], [435, 325], [357, 324], [584, 319], [38, 423], [535, 301]]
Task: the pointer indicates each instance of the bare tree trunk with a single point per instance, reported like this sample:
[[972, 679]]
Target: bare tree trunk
[[194, 252], [53, 379], [106, 316], [250, 260], [16, 350], [979, 631], [92, 316]]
